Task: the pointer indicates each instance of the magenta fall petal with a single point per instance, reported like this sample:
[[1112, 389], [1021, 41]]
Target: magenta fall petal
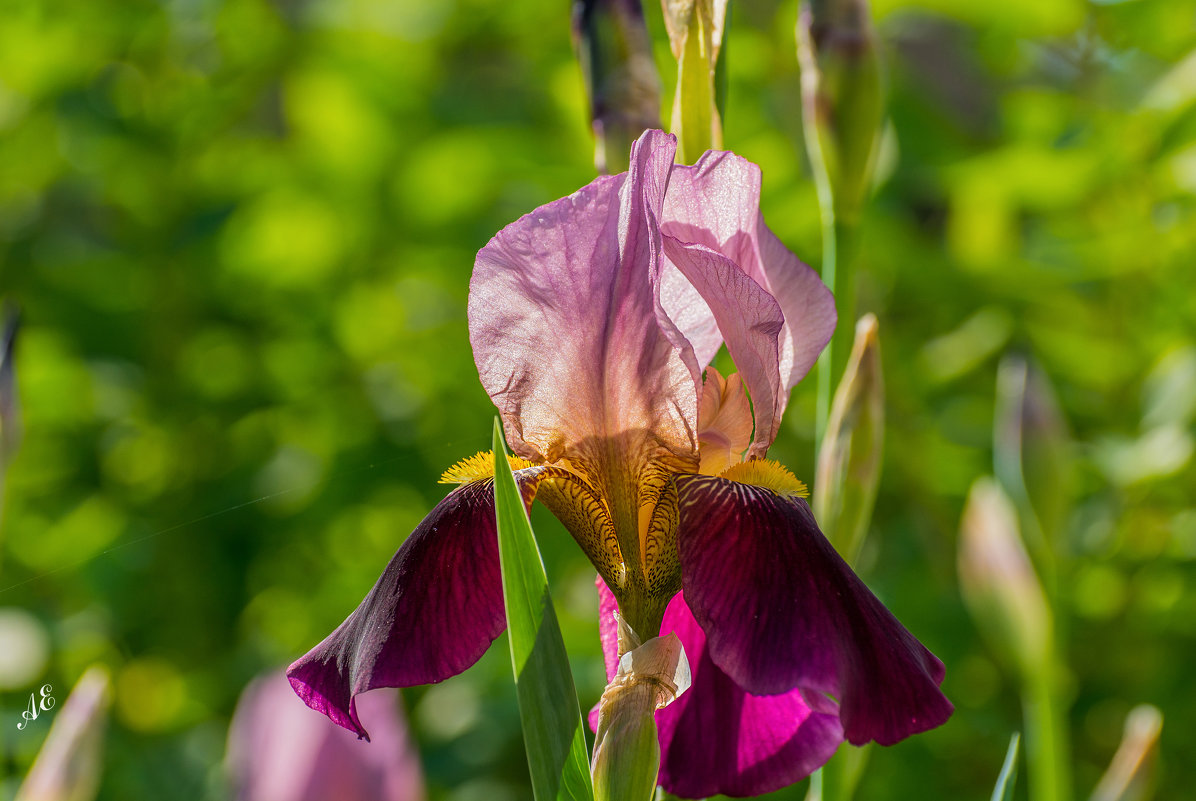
[[717, 738], [782, 610]]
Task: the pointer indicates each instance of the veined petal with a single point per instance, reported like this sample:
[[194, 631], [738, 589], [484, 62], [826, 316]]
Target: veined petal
[[567, 329], [717, 738], [808, 305], [716, 203], [433, 612], [782, 611], [751, 321], [685, 307]]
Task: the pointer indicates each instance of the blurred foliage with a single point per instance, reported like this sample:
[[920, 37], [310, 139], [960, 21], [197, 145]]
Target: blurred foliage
[[240, 233]]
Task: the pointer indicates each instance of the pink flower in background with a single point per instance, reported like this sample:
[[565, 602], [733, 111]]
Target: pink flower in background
[[593, 321], [279, 751]]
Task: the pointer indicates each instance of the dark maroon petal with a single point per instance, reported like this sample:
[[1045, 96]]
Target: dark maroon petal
[[782, 610], [432, 614], [717, 738]]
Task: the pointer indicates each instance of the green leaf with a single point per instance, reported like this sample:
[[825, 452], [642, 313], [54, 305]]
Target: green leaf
[[548, 707], [1003, 791]]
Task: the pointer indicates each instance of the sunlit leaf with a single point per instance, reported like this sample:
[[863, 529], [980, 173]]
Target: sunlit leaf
[[548, 707]]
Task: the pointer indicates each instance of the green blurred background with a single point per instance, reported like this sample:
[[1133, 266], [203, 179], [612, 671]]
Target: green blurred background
[[241, 232]]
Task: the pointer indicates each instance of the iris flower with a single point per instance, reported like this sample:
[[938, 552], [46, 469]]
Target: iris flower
[[593, 322]]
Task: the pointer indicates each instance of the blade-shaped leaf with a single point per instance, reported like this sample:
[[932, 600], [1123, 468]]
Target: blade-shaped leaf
[[548, 707], [1003, 790]]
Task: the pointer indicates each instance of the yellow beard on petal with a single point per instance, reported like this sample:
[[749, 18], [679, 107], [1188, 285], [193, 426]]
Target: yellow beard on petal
[[478, 467], [768, 474]]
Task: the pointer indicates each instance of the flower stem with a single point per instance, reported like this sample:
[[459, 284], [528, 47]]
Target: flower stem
[[1046, 740], [826, 207]]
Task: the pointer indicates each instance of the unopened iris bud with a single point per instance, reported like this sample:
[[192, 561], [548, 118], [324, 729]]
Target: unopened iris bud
[[998, 580], [1032, 453], [1131, 773], [626, 757], [841, 95], [850, 457], [696, 36], [68, 766], [615, 51]]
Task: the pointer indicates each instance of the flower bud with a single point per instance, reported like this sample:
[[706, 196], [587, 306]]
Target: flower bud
[[626, 746], [1032, 452], [615, 51], [1131, 772], [841, 95], [696, 36], [850, 457], [999, 583], [279, 751], [68, 766]]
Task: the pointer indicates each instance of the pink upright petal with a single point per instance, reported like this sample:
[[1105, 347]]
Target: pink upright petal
[[279, 751], [782, 611], [567, 329], [689, 312], [808, 305], [751, 321], [716, 203], [433, 613], [717, 738]]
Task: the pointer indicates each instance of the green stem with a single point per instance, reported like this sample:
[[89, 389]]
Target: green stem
[[1046, 739], [826, 207]]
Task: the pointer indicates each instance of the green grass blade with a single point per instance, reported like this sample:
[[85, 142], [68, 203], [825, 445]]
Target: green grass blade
[[1003, 791], [548, 707]]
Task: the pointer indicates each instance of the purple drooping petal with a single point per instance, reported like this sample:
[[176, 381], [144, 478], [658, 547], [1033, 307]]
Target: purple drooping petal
[[782, 610], [716, 738], [279, 751], [750, 320], [433, 613], [566, 325]]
